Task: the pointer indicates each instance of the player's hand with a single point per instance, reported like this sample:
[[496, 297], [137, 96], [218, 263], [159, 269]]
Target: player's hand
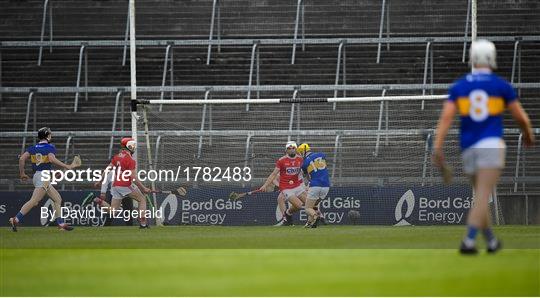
[[24, 177], [262, 188], [146, 190], [528, 139], [270, 188], [103, 196], [97, 184], [438, 158]]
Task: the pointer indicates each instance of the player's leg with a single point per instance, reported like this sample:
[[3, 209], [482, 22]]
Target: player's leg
[[141, 199], [282, 206], [479, 218], [127, 204], [57, 203], [314, 196], [317, 208], [281, 202], [303, 197], [310, 202], [106, 209], [295, 204], [312, 214], [100, 201], [484, 166], [37, 196]]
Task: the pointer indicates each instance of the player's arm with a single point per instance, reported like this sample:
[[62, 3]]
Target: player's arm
[[22, 162], [445, 122], [143, 188], [521, 117], [107, 176], [270, 178], [105, 180], [307, 177], [275, 182], [133, 168], [58, 163]]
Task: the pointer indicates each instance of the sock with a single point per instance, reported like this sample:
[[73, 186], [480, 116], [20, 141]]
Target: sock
[[490, 237], [471, 235], [59, 221], [19, 216]]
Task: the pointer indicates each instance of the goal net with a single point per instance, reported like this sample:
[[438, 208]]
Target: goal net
[[378, 153]]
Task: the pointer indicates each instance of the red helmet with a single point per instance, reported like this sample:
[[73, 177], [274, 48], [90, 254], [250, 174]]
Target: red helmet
[[129, 144]]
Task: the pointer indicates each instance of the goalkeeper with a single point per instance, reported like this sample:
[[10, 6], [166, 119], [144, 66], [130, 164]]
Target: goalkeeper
[[42, 156], [288, 167]]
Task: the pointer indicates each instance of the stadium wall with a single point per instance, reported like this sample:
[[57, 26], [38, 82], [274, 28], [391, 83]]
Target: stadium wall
[[398, 205]]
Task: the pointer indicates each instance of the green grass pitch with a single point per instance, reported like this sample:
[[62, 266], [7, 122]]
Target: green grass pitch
[[265, 261]]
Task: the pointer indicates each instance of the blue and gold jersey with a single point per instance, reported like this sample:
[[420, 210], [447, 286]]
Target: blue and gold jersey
[[481, 99], [39, 155], [315, 165]]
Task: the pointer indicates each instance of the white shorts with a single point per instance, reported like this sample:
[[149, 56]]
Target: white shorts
[[119, 192], [293, 192], [316, 192], [485, 154], [38, 181]]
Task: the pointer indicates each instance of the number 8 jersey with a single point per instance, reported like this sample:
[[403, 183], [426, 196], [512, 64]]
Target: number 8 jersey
[[481, 98]]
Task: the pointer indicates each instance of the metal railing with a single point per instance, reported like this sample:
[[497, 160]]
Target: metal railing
[[341, 60], [118, 98], [300, 9], [385, 7], [336, 171], [216, 11], [203, 120], [168, 57], [83, 54], [428, 64], [43, 23], [215, 21], [27, 118], [244, 88], [268, 41], [294, 106], [254, 63], [468, 19], [66, 154]]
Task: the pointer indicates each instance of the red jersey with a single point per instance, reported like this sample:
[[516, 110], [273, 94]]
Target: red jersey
[[290, 171], [123, 162]]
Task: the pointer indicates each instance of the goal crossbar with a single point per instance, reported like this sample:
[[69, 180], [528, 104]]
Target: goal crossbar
[[290, 100]]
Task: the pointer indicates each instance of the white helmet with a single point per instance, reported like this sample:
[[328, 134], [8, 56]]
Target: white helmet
[[291, 144], [483, 53]]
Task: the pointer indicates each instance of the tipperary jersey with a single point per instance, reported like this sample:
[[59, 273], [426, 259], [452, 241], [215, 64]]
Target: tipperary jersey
[[481, 98], [315, 165], [39, 155]]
